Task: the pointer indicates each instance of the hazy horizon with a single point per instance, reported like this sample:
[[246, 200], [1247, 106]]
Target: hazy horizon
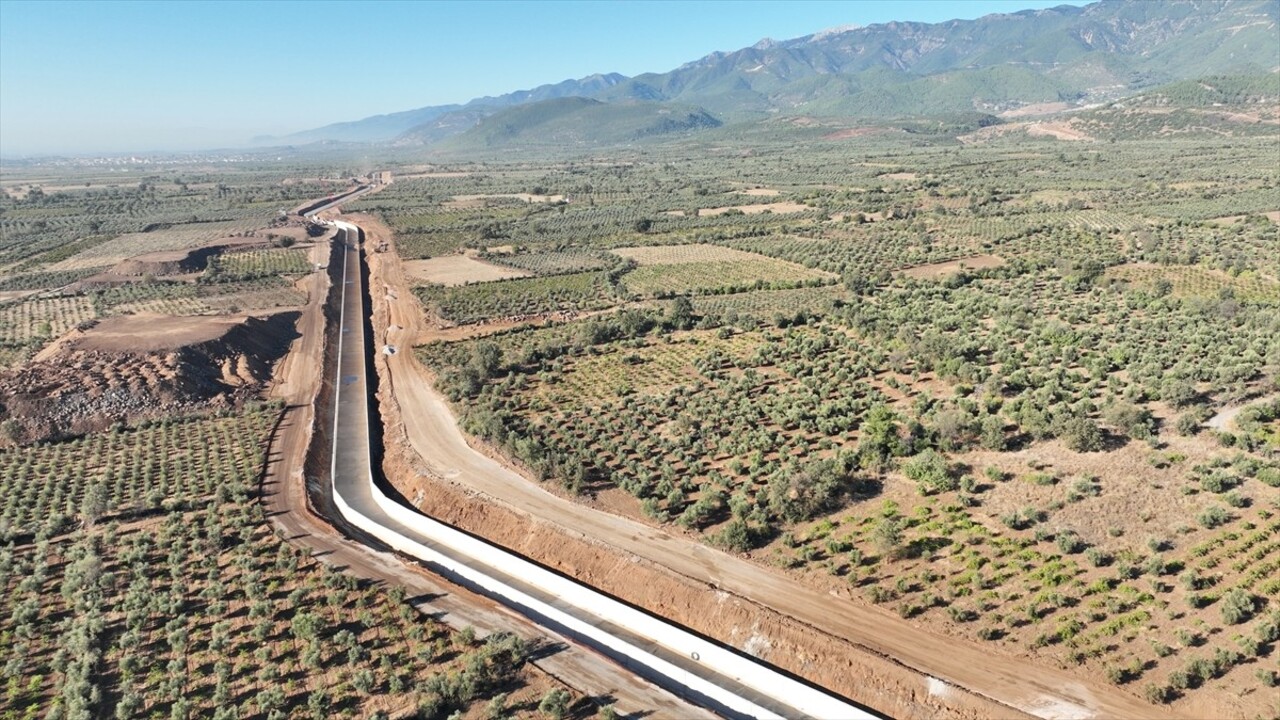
[[85, 78]]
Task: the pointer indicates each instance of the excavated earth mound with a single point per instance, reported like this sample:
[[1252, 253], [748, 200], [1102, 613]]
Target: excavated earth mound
[[183, 262], [129, 368]]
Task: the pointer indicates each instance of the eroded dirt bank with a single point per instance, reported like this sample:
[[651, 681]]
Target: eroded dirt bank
[[128, 368]]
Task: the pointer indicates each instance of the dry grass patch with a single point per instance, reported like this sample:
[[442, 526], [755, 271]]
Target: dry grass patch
[[1273, 216], [778, 208], [684, 254], [452, 270], [951, 267], [472, 202]]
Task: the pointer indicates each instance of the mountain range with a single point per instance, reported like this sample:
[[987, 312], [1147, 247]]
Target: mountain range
[[1068, 56]]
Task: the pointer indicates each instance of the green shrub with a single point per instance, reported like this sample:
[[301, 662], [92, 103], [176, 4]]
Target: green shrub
[[1237, 606], [930, 472], [1213, 516]]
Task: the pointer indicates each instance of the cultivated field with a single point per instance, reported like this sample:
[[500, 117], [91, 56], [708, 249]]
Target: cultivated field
[[141, 327], [698, 269], [180, 237], [144, 582], [994, 426]]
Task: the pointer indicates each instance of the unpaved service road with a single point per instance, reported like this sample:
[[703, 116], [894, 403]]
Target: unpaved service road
[[284, 495], [433, 433]]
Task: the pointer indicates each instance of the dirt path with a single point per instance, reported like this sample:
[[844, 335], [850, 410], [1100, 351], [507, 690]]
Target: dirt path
[[1226, 417], [284, 494], [943, 666]]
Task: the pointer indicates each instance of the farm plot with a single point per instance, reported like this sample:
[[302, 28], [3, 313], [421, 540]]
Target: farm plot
[[555, 262], [764, 441], [756, 209], [1197, 282], [769, 305], [251, 264], [144, 297], [35, 320], [471, 202], [135, 468], [179, 237], [706, 407], [427, 245], [171, 596], [951, 267], [858, 252], [260, 294], [29, 281], [699, 269], [180, 298], [649, 369], [453, 270], [468, 304]]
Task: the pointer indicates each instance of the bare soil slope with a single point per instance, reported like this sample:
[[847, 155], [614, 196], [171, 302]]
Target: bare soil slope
[[128, 368]]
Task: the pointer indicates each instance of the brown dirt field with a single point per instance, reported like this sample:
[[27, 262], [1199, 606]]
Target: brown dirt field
[[436, 175], [1273, 216], [8, 295], [459, 270], [683, 254], [470, 202], [1137, 495], [951, 267], [1059, 130], [859, 650], [899, 176], [149, 333], [779, 207], [759, 192], [852, 133]]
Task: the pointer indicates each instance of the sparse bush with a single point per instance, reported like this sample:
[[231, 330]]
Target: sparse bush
[[1237, 606]]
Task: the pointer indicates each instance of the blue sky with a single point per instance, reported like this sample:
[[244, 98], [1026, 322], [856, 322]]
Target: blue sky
[[115, 76]]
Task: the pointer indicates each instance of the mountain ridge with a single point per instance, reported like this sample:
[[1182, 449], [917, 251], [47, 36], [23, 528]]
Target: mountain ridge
[[999, 62]]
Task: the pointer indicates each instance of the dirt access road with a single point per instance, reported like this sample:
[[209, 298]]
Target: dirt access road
[[284, 493], [944, 669]]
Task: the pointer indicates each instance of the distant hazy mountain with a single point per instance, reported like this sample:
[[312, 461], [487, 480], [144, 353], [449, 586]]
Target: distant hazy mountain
[[371, 129], [1099, 52], [574, 121]]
